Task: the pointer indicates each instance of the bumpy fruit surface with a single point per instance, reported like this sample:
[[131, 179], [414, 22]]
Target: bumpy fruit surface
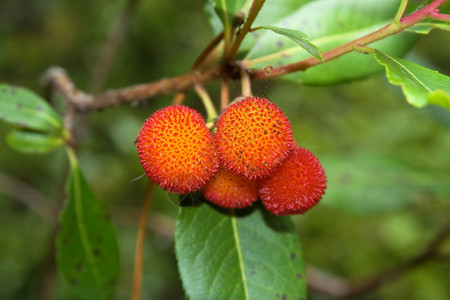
[[297, 185], [253, 136], [177, 150], [230, 190]]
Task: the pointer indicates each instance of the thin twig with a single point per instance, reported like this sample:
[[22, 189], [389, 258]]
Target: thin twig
[[140, 242], [252, 14], [111, 46], [27, 195], [341, 288]]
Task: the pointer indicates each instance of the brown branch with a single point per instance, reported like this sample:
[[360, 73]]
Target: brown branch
[[58, 78], [336, 287]]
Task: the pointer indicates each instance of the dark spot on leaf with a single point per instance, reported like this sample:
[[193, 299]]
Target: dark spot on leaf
[[280, 44], [96, 252], [253, 273], [21, 124], [79, 266], [284, 297], [39, 108], [19, 105], [299, 276], [277, 295], [4, 90], [293, 256], [73, 281], [13, 90], [111, 283], [64, 242], [99, 239]]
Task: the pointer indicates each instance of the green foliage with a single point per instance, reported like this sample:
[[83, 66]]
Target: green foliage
[[33, 142], [358, 183], [419, 84], [246, 254], [24, 108], [87, 249], [329, 24], [384, 207]]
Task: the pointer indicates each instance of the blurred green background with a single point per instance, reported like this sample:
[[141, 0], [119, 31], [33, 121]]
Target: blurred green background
[[388, 164]]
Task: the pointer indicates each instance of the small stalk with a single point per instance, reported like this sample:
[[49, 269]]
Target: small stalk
[[401, 11], [140, 242], [206, 99], [224, 93]]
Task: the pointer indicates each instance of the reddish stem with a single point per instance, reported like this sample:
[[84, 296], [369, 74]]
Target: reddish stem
[[393, 28]]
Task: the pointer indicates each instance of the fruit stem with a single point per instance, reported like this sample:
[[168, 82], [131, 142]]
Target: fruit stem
[[246, 86], [224, 93], [179, 98], [139, 254], [206, 99]]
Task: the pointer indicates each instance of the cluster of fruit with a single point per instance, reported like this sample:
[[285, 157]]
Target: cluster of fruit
[[251, 154]]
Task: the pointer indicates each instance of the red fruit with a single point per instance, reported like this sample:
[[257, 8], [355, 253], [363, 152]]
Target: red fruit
[[230, 190], [297, 185], [177, 150], [253, 136]]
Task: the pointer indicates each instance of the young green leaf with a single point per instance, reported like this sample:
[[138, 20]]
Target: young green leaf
[[24, 108], [329, 24], [246, 254], [420, 85], [426, 27], [87, 249], [298, 37], [33, 142]]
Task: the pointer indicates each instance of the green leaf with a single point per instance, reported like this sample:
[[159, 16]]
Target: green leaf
[[298, 37], [426, 27], [247, 254], [329, 24], [372, 183], [24, 108], [33, 142], [420, 85], [87, 248]]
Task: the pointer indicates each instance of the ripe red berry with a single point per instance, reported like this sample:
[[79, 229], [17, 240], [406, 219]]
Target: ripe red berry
[[177, 150], [253, 136], [230, 190], [297, 185]]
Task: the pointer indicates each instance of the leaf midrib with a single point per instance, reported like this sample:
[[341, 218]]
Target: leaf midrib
[[239, 253]]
